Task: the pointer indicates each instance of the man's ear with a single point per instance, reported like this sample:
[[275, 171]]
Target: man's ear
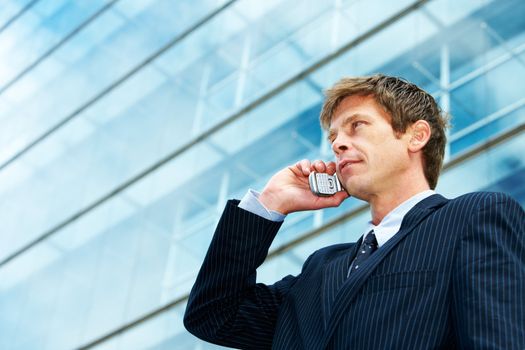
[[420, 134]]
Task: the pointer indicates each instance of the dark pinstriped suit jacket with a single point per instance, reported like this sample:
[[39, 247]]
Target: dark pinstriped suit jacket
[[452, 277]]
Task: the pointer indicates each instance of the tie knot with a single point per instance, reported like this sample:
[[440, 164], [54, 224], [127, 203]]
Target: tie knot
[[370, 239]]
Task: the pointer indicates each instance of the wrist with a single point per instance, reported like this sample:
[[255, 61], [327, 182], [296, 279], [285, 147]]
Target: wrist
[[272, 202]]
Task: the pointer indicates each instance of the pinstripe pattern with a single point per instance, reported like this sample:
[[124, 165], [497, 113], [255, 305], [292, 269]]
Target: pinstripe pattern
[[452, 277]]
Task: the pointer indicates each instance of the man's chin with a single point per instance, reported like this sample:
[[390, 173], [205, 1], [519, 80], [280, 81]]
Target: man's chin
[[349, 187], [354, 189]]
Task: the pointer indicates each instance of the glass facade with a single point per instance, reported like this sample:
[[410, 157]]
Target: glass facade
[[125, 126]]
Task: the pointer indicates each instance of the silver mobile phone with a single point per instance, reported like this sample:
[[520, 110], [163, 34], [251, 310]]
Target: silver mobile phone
[[324, 185]]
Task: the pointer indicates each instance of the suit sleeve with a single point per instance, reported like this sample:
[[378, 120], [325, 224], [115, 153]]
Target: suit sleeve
[[226, 306], [489, 277]]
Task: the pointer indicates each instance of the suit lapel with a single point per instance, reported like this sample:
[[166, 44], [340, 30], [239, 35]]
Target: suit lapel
[[334, 276], [349, 289]]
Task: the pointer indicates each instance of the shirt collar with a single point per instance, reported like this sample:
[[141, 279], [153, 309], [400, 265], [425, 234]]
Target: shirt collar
[[391, 223]]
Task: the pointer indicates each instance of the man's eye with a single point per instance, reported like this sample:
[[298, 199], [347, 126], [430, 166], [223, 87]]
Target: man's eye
[[357, 123]]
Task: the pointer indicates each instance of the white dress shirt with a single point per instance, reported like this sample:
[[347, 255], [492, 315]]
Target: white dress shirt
[[391, 223], [386, 229]]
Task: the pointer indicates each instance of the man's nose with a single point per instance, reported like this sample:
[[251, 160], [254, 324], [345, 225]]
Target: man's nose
[[339, 146]]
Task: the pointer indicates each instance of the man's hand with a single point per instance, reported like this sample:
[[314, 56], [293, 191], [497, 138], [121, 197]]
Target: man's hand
[[289, 191]]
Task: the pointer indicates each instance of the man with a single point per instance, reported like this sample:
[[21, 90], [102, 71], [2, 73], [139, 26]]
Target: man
[[429, 273]]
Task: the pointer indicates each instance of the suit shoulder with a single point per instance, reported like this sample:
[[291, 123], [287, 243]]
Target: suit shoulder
[[332, 250], [335, 248], [482, 199], [472, 204]]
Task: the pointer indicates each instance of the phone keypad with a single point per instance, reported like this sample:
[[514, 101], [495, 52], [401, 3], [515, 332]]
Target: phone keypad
[[326, 183]]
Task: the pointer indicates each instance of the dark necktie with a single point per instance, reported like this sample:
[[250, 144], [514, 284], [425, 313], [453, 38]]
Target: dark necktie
[[368, 246]]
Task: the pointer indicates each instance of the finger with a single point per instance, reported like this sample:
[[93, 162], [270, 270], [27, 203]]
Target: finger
[[338, 198], [319, 166], [330, 168], [304, 167]]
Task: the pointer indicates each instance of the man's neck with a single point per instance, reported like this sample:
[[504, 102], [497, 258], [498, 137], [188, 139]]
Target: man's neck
[[383, 204]]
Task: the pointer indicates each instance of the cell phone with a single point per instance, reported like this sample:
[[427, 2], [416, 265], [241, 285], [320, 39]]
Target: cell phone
[[324, 185]]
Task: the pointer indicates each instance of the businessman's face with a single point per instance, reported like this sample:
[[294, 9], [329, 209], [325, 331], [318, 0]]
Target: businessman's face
[[371, 159]]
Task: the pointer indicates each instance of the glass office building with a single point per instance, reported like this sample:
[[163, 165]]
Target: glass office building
[[125, 125]]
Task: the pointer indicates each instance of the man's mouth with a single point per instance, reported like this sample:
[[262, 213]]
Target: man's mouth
[[347, 162]]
